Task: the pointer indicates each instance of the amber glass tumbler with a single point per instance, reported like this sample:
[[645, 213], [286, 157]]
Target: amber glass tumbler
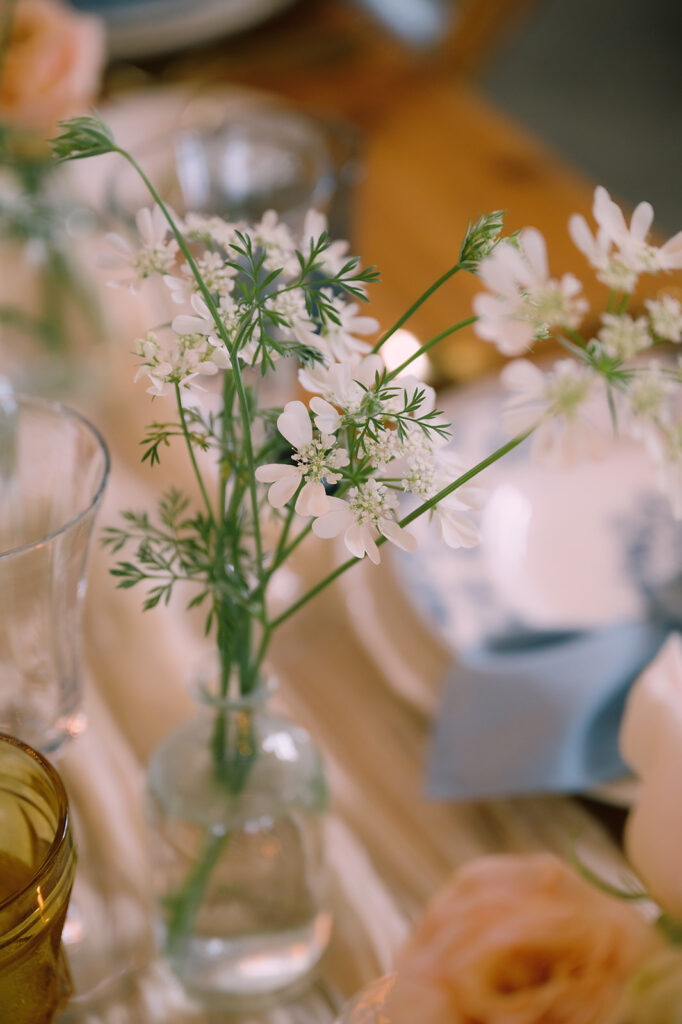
[[37, 864]]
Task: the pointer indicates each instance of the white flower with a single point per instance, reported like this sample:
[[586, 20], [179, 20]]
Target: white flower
[[339, 340], [315, 461], [368, 509], [622, 337], [428, 472], [272, 235], [199, 227], [633, 255], [666, 317], [552, 403], [156, 255], [645, 405], [343, 384], [526, 303], [179, 361], [331, 260], [202, 323]]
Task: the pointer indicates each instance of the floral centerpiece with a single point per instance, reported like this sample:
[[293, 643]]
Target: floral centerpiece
[[335, 465]]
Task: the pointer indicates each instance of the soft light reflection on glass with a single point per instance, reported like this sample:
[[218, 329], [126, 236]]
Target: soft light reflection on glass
[[399, 347], [281, 745]]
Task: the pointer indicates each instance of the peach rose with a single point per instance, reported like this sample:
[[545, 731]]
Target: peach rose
[[519, 940], [52, 65]]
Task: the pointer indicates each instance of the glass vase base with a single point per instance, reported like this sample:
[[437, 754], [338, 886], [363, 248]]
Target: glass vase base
[[253, 972]]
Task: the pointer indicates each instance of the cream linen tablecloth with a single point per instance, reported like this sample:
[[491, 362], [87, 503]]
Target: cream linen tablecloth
[[389, 848]]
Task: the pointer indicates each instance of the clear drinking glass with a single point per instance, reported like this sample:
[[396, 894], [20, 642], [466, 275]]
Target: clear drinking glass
[[37, 864], [53, 469], [235, 803]]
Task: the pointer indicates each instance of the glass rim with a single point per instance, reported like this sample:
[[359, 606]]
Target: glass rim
[[62, 826], [60, 407]]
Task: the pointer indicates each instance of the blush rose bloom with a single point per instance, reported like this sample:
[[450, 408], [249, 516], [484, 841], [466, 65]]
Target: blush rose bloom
[[519, 940], [52, 66]]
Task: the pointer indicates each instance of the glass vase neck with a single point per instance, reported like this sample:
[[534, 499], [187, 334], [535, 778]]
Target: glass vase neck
[[208, 689]]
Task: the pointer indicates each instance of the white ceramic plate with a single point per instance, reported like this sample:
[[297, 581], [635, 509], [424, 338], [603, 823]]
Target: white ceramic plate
[[562, 548]]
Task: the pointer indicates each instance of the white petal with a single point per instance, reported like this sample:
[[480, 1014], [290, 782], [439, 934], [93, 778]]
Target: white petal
[[524, 376], [184, 324], [284, 488], [582, 237], [294, 424], [274, 471], [641, 221], [359, 542], [403, 539], [455, 529], [670, 254], [314, 225], [333, 522], [312, 501], [367, 369], [536, 252], [143, 220], [327, 419]]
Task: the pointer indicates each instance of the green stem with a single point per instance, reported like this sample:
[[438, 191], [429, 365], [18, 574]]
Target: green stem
[[190, 449], [232, 348], [622, 306], [426, 506], [182, 906], [430, 344], [415, 305]]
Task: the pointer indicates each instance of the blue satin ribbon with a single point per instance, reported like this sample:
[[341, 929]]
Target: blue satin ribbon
[[540, 712]]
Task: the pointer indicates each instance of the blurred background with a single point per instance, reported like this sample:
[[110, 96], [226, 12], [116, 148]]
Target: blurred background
[[399, 119]]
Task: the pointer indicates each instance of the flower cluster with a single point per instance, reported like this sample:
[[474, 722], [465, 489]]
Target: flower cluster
[[371, 437], [251, 292], [258, 292], [523, 304]]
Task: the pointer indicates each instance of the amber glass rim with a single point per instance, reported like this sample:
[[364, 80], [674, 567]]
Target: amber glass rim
[[62, 826], [68, 412]]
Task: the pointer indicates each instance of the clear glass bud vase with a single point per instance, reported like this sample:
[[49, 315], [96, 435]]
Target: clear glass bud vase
[[235, 801]]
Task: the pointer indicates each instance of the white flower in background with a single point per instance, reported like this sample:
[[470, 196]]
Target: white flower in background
[[179, 361], [217, 276], [427, 473], [155, 255], [343, 384], [201, 323], [633, 255], [339, 340], [334, 258], [622, 337], [666, 317], [272, 235], [365, 510], [646, 403], [291, 307], [198, 227], [553, 403], [525, 304], [316, 460]]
